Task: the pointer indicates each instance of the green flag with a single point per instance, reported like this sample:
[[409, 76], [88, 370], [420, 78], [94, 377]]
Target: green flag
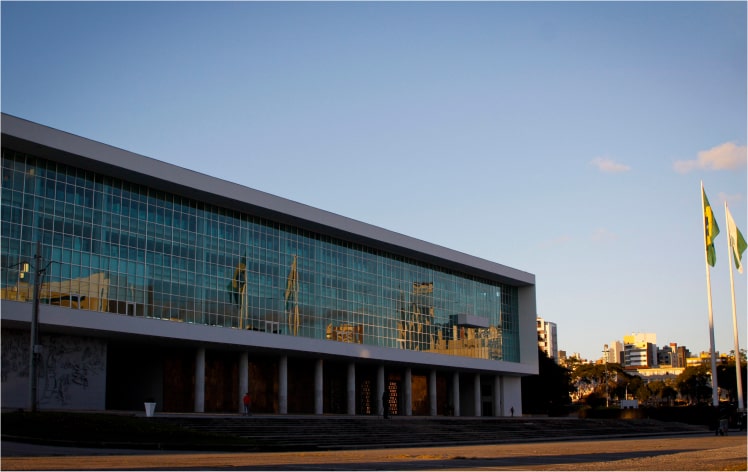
[[736, 241], [711, 228]]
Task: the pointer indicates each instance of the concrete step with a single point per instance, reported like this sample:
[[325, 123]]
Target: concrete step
[[293, 433]]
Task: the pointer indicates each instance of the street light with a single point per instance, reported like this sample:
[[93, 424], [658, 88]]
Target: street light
[[607, 395], [35, 348]]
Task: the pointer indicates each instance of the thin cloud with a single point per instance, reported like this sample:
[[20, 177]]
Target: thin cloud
[[602, 235], [607, 165], [730, 199], [559, 241], [727, 156]]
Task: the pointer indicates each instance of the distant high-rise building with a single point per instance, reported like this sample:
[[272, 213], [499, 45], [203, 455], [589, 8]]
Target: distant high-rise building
[[673, 355], [615, 352], [548, 338], [681, 354], [640, 350], [666, 355]]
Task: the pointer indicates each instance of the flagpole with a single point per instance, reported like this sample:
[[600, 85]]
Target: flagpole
[[715, 388], [738, 368]]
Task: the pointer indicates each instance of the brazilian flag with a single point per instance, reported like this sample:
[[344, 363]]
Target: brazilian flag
[[711, 228]]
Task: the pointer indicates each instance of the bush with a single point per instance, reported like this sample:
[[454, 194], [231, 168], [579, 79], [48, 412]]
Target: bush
[[594, 400], [601, 413], [695, 415]]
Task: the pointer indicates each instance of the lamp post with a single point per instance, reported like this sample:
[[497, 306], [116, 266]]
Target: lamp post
[[607, 394], [35, 348]]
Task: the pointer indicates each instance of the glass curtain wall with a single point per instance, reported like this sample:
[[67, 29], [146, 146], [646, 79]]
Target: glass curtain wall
[[119, 247]]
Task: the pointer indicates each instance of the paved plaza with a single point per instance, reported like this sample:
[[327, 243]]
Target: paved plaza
[[694, 452]]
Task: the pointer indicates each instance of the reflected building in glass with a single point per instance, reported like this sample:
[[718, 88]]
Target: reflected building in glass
[[164, 284]]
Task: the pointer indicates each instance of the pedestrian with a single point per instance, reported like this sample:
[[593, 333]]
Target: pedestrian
[[246, 401], [385, 405], [512, 410]]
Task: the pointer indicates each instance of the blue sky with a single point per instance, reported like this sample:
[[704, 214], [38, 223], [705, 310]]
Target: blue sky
[[563, 139]]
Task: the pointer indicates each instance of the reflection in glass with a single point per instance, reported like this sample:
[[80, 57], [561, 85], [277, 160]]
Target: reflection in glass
[[128, 249]]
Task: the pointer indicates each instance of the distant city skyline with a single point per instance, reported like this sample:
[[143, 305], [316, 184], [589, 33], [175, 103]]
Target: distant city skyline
[[610, 344], [564, 139]]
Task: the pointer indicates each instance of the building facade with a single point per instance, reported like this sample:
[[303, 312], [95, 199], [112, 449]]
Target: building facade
[[548, 338], [162, 284], [615, 352], [666, 356], [640, 351]]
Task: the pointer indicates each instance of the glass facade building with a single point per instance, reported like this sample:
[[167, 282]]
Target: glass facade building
[[115, 244]]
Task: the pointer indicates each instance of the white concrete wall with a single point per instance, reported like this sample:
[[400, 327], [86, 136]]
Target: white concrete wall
[[512, 396], [528, 330]]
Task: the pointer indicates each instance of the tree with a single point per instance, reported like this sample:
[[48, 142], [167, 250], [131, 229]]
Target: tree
[[587, 376], [657, 390], [727, 378], [594, 400], [623, 383], [594, 375], [635, 384], [694, 383], [589, 373], [743, 355], [605, 380], [547, 392], [573, 362], [668, 395], [643, 393]]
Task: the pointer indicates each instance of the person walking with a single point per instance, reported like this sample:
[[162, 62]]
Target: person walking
[[246, 401]]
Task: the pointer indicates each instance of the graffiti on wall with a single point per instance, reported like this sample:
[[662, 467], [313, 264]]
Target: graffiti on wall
[[71, 370], [15, 355]]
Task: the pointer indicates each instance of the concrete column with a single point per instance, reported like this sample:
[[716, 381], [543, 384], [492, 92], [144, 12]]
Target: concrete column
[[432, 393], [408, 392], [351, 390], [456, 393], [243, 378], [200, 380], [318, 387], [380, 389], [478, 398], [283, 385], [498, 397]]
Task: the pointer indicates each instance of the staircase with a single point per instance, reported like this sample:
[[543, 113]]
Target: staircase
[[299, 433]]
